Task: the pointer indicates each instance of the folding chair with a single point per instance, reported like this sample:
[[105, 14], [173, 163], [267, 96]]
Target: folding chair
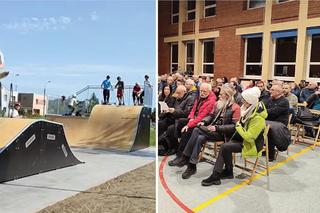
[[301, 133], [209, 151], [255, 163]]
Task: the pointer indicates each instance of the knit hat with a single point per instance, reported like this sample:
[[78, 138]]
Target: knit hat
[[251, 95]]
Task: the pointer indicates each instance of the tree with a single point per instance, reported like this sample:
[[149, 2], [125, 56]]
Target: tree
[[92, 102]]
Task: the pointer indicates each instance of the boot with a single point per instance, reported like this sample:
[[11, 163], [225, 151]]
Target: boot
[[271, 154], [179, 161], [191, 170], [214, 179], [227, 174]]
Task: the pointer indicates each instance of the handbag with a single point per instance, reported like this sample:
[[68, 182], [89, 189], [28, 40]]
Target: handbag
[[304, 114]]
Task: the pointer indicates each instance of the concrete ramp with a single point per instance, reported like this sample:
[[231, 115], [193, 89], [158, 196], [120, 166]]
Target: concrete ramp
[[124, 128], [31, 146]]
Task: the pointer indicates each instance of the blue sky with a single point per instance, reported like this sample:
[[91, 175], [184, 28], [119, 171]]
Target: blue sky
[[76, 43]]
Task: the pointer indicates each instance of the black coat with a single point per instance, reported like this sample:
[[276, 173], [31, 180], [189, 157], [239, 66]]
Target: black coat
[[278, 110]]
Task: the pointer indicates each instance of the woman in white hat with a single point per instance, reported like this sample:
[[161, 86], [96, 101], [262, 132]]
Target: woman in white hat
[[247, 139]]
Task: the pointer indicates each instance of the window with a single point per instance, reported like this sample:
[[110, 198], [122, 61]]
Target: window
[[175, 11], [253, 56], [314, 65], [174, 57], [280, 1], [285, 56], [209, 8], [190, 57], [191, 10], [208, 57], [255, 3]]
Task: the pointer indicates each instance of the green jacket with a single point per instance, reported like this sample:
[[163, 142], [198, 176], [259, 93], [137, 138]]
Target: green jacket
[[250, 131]]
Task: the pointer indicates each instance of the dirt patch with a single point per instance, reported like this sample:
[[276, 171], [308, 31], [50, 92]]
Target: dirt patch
[[131, 192]]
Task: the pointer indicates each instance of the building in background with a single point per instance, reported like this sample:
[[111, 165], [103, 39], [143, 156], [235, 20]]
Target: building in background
[[33, 104], [248, 39], [5, 99]]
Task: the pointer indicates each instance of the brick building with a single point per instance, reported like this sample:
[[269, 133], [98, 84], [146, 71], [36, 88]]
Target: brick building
[[253, 39], [33, 104]]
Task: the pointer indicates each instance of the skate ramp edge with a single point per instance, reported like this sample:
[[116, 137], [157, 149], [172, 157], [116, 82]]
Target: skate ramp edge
[[34, 146], [124, 128]]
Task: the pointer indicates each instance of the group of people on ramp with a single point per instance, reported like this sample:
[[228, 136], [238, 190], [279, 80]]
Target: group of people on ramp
[[138, 93]]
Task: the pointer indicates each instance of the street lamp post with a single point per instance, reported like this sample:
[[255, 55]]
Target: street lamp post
[[16, 81], [44, 97]]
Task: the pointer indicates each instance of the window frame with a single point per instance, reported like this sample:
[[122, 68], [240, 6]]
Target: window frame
[[309, 63], [191, 11], [173, 63], [248, 4], [208, 7], [206, 63], [251, 63], [274, 44], [174, 14], [186, 54]]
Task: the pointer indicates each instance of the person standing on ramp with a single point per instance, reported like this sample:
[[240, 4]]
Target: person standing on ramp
[[120, 91], [106, 86]]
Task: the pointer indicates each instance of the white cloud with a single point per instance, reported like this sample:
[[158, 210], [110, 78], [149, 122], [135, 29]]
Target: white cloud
[[94, 16], [28, 24]]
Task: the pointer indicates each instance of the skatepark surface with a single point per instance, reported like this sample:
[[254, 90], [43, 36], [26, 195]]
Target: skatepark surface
[[36, 192]]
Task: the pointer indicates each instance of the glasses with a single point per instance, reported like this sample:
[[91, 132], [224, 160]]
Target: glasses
[[203, 91]]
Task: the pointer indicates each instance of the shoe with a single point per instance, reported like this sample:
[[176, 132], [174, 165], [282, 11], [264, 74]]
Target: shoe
[[227, 174], [191, 170], [178, 161], [214, 179], [271, 159]]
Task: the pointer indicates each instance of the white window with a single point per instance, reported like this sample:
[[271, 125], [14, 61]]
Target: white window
[[208, 57], [209, 8], [191, 10], [314, 58], [255, 4], [174, 57], [253, 57], [190, 57], [285, 58], [175, 11]]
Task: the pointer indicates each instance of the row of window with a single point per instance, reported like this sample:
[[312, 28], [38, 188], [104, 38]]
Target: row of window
[[284, 57], [209, 8]]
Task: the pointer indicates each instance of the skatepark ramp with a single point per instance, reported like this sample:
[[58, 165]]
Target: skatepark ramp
[[30, 146], [125, 128]]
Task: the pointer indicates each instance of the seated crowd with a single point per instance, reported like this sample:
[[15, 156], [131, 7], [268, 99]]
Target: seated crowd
[[201, 110]]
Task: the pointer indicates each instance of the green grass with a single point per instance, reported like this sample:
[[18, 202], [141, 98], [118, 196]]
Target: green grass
[[152, 136]]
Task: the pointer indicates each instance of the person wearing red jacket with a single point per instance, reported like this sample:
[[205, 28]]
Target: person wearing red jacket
[[202, 107]]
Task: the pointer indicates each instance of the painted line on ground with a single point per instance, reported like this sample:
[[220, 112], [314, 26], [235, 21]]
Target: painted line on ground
[[255, 177], [168, 191]]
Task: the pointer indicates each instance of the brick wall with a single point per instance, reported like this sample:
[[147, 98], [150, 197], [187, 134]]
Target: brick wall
[[188, 27], [314, 8], [165, 29], [228, 54], [287, 11]]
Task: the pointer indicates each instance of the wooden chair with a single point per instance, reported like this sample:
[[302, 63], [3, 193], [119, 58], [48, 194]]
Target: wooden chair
[[255, 163], [300, 133], [209, 151]]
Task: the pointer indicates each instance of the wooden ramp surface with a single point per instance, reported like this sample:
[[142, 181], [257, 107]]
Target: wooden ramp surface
[[109, 127], [11, 127]]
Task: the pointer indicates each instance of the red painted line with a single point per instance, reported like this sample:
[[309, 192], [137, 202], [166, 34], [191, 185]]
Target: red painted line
[[169, 192]]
